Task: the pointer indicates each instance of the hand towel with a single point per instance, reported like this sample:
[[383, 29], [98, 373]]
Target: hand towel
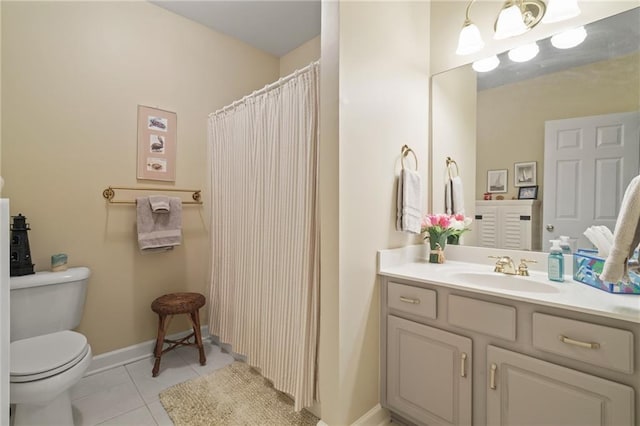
[[158, 231], [409, 216], [454, 196], [626, 236], [159, 203]]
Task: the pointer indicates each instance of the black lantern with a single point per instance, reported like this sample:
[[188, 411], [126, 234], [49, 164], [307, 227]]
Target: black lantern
[[20, 252]]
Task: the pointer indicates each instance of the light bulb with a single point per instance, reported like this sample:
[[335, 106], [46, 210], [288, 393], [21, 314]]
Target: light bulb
[[524, 53], [487, 64], [470, 40], [569, 38], [560, 10], [510, 23]]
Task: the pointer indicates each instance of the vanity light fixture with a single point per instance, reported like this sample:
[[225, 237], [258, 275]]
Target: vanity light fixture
[[559, 10], [487, 64], [524, 53], [570, 38], [470, 40]]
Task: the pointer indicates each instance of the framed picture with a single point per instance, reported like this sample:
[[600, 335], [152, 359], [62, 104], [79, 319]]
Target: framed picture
[[524, 174], [528, 192], [497, 181], [156, 144]]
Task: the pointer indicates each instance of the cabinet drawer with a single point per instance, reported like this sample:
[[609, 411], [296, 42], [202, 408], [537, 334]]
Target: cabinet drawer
[[413, 300], [591, 343], [489, 318]]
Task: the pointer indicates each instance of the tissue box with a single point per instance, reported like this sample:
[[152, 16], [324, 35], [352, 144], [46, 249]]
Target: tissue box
[[587, 267]]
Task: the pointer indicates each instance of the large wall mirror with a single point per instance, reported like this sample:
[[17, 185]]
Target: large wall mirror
[[497, 120]]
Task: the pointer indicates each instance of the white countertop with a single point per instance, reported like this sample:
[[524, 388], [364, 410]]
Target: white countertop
[[410, 263]]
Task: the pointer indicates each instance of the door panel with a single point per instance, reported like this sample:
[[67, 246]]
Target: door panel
[[428, 373], [528, 391], [588, 163]]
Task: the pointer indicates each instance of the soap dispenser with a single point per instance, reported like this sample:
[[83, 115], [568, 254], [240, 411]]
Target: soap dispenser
[[565, 245], [556, 262]]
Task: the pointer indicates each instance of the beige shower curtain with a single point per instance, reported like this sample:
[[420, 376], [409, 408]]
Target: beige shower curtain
[[265, 261]]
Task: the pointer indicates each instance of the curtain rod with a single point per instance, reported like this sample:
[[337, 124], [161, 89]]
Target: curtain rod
[[266, 88]]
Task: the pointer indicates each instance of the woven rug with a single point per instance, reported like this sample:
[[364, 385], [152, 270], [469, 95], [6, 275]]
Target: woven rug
[[234, 395]]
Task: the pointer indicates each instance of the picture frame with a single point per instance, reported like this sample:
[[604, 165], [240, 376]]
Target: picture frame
[[528, 192], [157, 144], [524, 174], [497, 181]]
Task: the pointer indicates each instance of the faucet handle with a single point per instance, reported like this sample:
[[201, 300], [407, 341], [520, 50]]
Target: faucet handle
[[499, 263], [523, 270]]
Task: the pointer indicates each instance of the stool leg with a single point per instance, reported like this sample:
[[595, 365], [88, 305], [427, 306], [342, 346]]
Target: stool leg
[[195, 317], [159, 343]]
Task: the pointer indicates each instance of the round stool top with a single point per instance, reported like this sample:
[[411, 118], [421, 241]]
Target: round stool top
[[178, 303]]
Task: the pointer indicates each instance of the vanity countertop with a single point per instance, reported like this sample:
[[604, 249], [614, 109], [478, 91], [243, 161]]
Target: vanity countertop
[[476, 275]]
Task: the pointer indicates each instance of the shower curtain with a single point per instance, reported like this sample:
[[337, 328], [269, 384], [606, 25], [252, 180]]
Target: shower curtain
[[264, 230]]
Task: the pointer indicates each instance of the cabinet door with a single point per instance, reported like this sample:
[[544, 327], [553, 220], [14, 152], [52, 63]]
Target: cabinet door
[[428, 373], [527, 391], [515, 228], [487, 227]]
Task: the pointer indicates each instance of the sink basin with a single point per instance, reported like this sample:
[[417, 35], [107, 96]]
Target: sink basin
[[495, 280]]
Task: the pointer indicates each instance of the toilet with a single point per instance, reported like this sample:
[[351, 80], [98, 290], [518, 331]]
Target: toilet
[[46, 357]]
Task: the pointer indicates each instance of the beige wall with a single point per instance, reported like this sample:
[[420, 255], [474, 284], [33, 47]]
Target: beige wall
[[73, 75], [381, 94], [448, 16], [300, 57], [511, 117]]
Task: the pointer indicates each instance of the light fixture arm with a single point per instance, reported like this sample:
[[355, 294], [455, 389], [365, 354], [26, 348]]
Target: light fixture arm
[[467, 20]]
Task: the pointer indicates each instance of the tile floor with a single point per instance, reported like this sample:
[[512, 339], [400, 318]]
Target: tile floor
[[129, 396]]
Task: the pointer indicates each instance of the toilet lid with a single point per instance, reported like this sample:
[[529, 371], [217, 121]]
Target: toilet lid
[[43, 356]]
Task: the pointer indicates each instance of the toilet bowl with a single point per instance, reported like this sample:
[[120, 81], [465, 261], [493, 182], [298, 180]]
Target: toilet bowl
[[46, 357]]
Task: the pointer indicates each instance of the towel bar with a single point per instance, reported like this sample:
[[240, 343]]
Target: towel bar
[[109, 194]]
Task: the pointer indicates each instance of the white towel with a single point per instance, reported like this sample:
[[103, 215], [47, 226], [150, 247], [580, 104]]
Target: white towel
[[454, 196], [159, 203], [626, 236], [158, 231], [409, 216]]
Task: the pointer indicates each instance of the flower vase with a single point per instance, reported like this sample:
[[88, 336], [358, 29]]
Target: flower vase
[[453, 240], [437, 246]]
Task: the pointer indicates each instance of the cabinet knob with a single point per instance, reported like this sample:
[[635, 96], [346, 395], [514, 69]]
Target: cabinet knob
[[550, 227]]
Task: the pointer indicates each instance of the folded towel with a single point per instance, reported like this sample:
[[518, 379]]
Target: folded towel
[[159, 231], [626, 236], [409, 217], [159, 203], [454, 196]]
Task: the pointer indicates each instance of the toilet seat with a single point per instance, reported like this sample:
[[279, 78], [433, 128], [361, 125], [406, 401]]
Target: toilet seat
[[40, 357]]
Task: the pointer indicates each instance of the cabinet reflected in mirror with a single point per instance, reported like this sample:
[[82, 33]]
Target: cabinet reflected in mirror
[[499, 117]]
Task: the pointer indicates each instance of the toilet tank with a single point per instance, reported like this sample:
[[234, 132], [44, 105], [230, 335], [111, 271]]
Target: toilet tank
[[46, 302]]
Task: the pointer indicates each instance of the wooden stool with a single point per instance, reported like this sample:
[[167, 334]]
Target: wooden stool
[[170, 305]]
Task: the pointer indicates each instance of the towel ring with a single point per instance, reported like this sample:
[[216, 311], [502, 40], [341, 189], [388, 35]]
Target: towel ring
[[404, 152], [450, 161]]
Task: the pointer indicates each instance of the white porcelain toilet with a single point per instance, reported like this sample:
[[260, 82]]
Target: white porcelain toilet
[[46, 358]]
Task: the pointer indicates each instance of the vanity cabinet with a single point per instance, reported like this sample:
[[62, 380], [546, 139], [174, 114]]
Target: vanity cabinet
[[429, 373], [527, 391], [509, 224], [452, 356]]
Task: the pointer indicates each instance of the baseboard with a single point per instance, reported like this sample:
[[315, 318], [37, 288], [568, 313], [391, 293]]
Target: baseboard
[[132, 353], [377, 416]]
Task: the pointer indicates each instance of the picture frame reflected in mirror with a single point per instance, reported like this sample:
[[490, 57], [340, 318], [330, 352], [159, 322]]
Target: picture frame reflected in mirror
[[528, 192], [524, 174], [497, 181]]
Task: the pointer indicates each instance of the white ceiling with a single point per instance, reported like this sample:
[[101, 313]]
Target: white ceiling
[[276, 27]]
